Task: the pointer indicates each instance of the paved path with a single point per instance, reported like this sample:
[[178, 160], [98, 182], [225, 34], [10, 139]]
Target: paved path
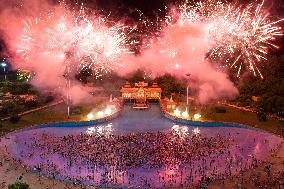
[[10, 171]]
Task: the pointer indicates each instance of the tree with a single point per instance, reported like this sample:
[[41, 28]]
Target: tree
[[138, 75], [9, 107], [19, 185], [170, 84], [17, 88], [270, 89]]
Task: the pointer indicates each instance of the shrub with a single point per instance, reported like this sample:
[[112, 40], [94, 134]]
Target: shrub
[[15, 118], [19, 185], [220, 109], [31, 104], [9, 107], [261, 116], [49, 99], [77, 110]]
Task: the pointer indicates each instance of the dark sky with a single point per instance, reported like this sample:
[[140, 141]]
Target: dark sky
[[151, 7]]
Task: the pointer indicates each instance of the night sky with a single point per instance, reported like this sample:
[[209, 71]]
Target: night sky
[[152, 10]]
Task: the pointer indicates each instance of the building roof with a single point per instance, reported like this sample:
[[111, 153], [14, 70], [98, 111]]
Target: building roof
[[155, 85], [127, 84], [141, 84], [133, 90]]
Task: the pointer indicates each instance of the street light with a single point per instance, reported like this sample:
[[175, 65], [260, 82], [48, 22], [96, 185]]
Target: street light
[[197, 116], [177, 112], [90, 116], [100, 114], [185, 114], [4, 65], [187, 88], [108, 111]]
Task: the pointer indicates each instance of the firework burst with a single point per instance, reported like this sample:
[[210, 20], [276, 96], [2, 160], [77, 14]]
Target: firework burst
[[79, 40], [237, 36]]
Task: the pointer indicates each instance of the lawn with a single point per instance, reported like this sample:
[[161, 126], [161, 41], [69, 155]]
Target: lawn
[[246, 118], [234, 115], [54, 114]]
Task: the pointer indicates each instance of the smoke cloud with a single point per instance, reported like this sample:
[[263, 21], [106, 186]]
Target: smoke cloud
[[50, 69], [180, 50]]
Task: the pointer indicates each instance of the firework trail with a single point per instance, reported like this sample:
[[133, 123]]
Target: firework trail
[[237, 36], [79, 40]]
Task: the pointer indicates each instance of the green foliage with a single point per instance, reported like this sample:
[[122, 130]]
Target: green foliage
[[17, 88], [17, 104], [261, 116], [8, 108], [19, 185], [18, 100], [170, 84], [220, 109], [76, 110], [270, 89], [272, 104], [138, 75], [244, 100]]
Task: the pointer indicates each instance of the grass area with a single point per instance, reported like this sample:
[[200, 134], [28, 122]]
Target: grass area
[[54, 114], [234, 115], [240, 116], [247, 118]]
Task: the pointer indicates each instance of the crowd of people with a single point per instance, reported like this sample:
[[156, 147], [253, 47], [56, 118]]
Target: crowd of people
[[149, 150], [151, 159]]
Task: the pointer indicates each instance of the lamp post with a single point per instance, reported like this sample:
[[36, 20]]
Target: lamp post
[[187, 88], [4, 65], [68, 92], [67, 56]]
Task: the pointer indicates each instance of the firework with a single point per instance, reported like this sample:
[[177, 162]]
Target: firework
[[25, 46], [237, 36], [78, 40]]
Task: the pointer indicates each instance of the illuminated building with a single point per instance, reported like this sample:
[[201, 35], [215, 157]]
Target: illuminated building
[[140, 94]]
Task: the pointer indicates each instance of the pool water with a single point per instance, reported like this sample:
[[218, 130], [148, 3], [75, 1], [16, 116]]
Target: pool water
[[248, 146]]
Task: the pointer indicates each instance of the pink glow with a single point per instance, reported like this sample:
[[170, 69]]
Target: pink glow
[[54, 40]]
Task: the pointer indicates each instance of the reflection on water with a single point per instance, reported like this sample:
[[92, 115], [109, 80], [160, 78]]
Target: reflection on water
[[181, 131], [100, 130], [196, 131]]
